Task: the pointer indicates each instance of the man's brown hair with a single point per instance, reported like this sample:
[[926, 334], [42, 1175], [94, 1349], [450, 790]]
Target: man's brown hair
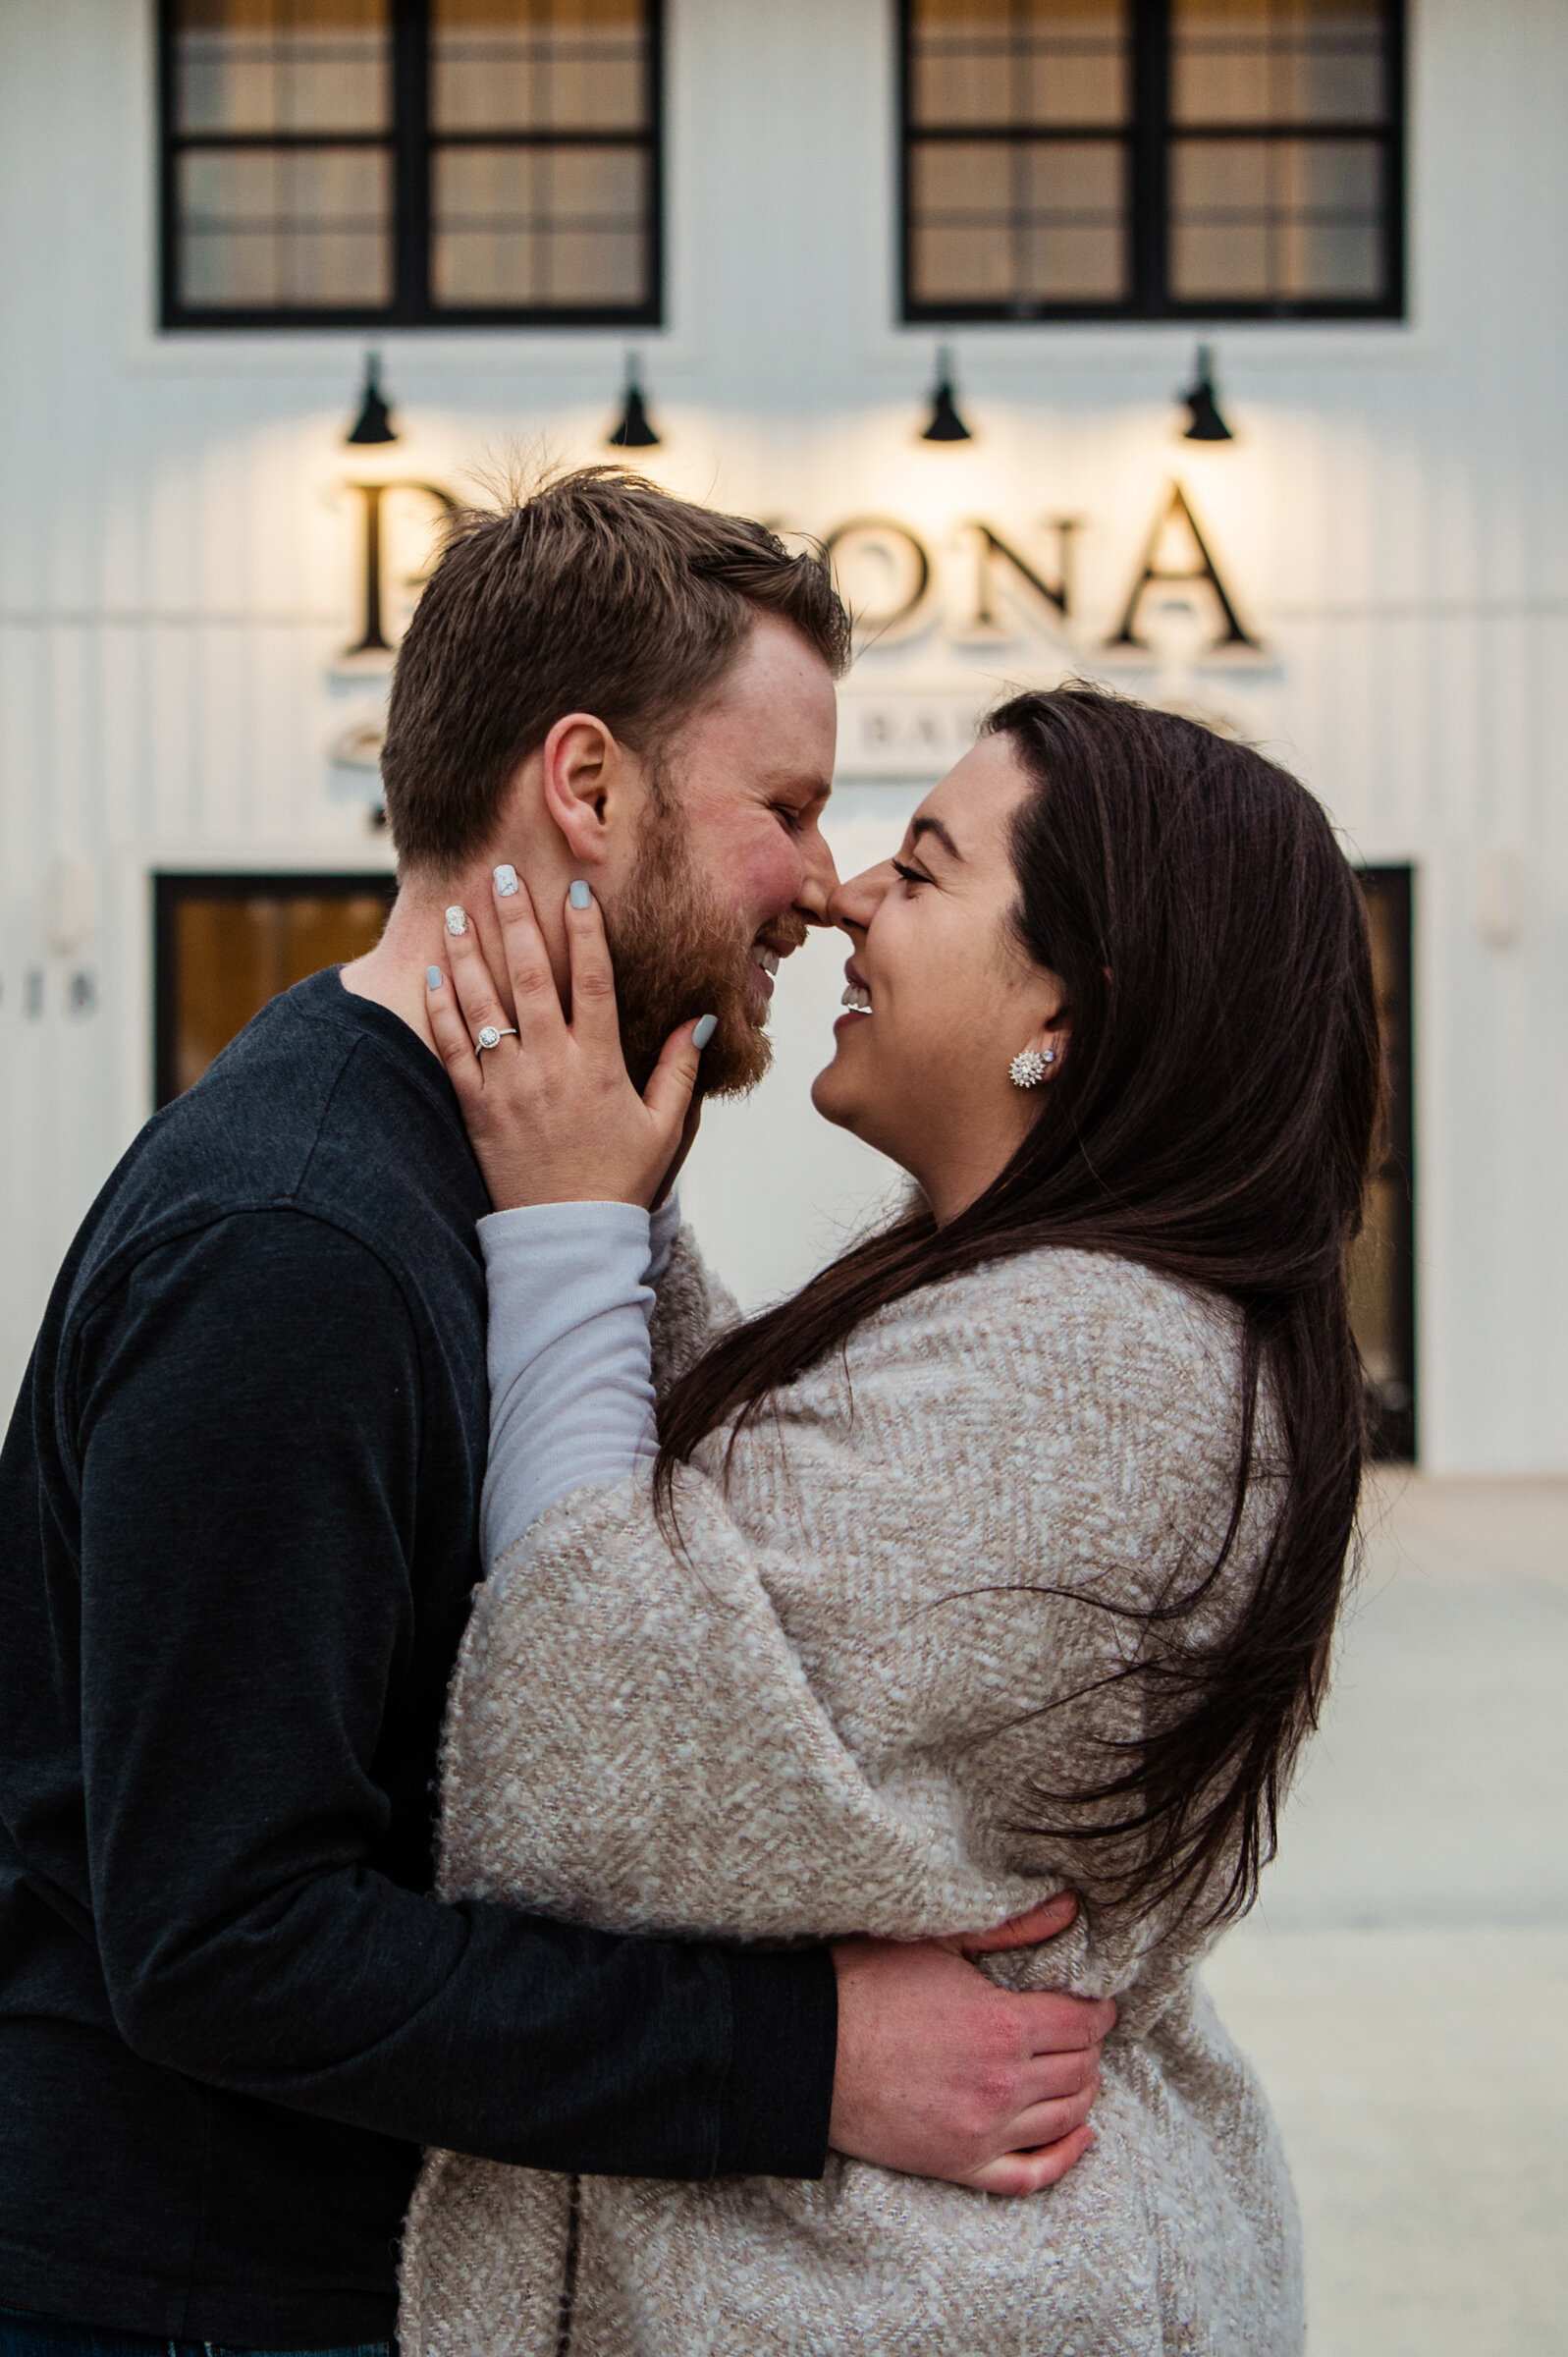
[[598, 593]]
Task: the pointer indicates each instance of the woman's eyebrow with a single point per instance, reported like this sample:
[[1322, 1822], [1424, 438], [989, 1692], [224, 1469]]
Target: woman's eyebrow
[[934, 826]]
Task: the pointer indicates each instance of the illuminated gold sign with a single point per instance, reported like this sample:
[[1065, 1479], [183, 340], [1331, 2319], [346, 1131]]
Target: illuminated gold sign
[[888, 574]]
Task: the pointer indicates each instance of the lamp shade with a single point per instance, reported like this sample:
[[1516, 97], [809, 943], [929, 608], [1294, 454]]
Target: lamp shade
[[634, 431], [1205, 423], [374, 421], [946, 423]]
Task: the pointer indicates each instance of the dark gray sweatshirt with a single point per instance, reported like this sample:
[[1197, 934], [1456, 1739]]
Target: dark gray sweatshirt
[[238, 1507]]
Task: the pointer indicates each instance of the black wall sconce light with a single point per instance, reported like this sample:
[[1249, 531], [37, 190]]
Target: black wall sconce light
[[946, 423], [374, 421], [1205, 423], [633, 431]]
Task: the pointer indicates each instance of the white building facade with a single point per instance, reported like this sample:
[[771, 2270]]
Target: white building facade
[[783, 211]]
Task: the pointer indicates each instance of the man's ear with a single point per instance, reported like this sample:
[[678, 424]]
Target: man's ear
[[586, 778]]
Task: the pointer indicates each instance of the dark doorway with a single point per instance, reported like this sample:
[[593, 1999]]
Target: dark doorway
[[1382, 1265], [228, 943]]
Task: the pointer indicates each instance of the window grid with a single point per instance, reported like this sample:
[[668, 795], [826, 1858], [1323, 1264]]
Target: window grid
[[1154, 142], [415, 149]]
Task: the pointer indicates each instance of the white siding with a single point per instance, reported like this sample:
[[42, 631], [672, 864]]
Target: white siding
[[177, 581]]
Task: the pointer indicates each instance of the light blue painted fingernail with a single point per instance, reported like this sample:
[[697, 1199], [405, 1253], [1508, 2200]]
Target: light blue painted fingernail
[[432, 977], [506, 879], [582, 897], [705, 1031]]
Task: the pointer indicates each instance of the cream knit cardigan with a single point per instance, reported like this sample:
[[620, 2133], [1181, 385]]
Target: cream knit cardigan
[[839, 1713]]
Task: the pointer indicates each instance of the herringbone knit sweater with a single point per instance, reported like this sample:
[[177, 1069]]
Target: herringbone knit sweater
[[880, 1659]]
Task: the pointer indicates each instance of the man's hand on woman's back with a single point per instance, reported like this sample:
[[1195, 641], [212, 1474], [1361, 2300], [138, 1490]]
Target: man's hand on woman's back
[[943, 2074]]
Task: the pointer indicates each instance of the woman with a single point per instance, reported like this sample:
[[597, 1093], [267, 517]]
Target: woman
[[1002, 1559]]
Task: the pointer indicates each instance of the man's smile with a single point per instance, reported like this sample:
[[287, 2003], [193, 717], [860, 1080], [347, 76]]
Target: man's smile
[[767, 954]]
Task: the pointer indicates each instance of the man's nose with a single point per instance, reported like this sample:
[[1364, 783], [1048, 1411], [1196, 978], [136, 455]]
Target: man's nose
[[819, 881]]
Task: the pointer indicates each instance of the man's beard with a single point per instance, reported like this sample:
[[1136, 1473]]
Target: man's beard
[[678, 954]]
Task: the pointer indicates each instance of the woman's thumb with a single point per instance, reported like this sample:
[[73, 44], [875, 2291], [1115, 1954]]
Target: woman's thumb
[[675, 1075]]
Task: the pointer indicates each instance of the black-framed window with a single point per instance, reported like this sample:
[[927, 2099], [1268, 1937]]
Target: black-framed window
[[1152, 160], [226, 944], [419, 163], [1383, 1261]]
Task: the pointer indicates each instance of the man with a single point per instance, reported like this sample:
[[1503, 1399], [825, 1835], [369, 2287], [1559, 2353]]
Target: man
[[240, 1503]]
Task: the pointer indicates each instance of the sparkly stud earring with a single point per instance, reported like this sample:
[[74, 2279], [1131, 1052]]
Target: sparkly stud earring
[[1028, 1067]]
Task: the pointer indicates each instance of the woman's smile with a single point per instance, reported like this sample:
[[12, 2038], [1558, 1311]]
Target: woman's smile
[[856, 997]]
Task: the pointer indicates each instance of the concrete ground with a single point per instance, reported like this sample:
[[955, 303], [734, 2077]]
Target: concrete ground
[[1403, 1983]]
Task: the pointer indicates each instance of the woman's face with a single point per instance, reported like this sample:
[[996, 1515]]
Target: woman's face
[[942, 995]]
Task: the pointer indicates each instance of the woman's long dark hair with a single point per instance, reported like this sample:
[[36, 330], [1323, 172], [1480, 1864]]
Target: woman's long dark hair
[[1213, 1121]]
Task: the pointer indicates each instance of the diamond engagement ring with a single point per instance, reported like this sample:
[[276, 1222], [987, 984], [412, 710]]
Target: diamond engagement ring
[[490, 1037]]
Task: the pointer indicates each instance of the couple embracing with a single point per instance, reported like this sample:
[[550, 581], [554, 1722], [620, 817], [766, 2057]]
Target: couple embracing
[[858, 1719]]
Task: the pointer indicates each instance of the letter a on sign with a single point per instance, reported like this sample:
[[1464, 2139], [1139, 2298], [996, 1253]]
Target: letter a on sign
[[1177, 551]]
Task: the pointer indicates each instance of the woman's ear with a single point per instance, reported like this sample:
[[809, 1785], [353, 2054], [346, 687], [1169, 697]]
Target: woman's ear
[[1039, 1061], [1040, 1057], [1049, 1040], [584, 779]]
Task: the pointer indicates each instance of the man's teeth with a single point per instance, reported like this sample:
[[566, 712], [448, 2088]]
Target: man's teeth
[[856, 995], [768, 959]]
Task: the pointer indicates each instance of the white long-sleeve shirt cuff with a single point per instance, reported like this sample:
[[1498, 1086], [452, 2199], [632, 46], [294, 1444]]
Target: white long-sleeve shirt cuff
[[663, 1225], [571, 1396]]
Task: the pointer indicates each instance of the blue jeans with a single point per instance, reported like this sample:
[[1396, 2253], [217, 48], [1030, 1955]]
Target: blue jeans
[[24, 2335]]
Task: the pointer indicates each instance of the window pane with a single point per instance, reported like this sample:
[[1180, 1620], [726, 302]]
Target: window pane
[[232, 956], [1378, 1265], [282, 65], [1372, 1267], [263, 228], [1035, 63], [1282, 219], [562, 65], [545, 226], [1277, 61], [1017, 221]]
